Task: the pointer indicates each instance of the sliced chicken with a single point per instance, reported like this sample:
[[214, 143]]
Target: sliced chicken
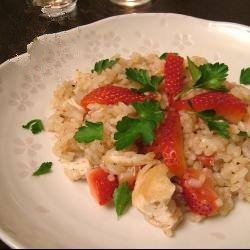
[[118, 162], [76, 170], [152, 196]]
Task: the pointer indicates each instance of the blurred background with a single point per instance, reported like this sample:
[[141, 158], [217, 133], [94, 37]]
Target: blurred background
[[20, 22]]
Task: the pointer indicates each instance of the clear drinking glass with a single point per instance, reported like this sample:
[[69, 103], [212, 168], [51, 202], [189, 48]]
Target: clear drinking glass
[[130, 3], [54, 8]]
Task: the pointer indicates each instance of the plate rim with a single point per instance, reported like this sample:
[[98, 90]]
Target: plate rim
[[104, 20], [5, 236]]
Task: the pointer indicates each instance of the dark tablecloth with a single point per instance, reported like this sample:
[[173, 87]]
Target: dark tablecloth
[[19, 25]]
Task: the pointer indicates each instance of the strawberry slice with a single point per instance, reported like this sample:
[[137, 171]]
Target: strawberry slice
[[174, 76], [110, 94], [198, 192], [169, 144], [225, 104], [102, 185], [207, 161]]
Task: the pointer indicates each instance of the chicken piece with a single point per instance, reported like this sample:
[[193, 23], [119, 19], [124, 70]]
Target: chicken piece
[[152, 196], [76, 170], [117, 162]]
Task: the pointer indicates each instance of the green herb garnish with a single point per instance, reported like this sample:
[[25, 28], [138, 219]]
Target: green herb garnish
[[130, 129], [43, 169], [90, 132], [142, 76], [213, 76], [104, 64], [245, 76], [122, 198], [210, 114], [36, 126], [194, 70], [219, 127], [207, 76], [215, 122], [163, 56], [149, 110]]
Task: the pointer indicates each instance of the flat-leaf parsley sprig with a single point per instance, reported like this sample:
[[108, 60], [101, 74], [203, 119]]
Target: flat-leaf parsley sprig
[[90, 132], [245, 76], [129, 130], [122, 198], [44, 168], [104, 64], [207, 76], [142, 76], [215, 122], [149, 110], [36, 126]]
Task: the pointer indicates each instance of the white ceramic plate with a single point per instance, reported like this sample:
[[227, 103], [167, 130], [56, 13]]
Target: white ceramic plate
[[51, 211]]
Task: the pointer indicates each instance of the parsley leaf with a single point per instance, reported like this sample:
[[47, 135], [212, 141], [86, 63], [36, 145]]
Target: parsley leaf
[[104, 64], [43, 169], [149, 110], [219, 127], [245, 76], [138, 75], [129, 130], [163, 56], [209, 114], [122, 198], [142, 76], [207, 76], [90, 132], [215, 122], [194, 70], [36, 126], [212, 76]]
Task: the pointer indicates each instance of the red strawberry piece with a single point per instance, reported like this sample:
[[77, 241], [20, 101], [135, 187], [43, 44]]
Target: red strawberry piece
[[198, 192], [110, 94], [225, 104], [102, 185], [174, 76], [169, 144], [207, 161]]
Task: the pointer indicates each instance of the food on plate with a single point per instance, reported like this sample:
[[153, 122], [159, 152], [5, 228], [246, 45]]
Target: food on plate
[[36, 126], [168, 135], [152, 195], [44, 168]]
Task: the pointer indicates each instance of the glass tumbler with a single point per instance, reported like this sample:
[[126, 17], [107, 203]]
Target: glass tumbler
[[54, 8], [130, 3]]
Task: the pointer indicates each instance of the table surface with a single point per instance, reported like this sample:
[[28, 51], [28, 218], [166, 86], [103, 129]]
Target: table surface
[[20, 24]]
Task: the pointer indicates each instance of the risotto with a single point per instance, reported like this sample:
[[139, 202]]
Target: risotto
[[167, 134]]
